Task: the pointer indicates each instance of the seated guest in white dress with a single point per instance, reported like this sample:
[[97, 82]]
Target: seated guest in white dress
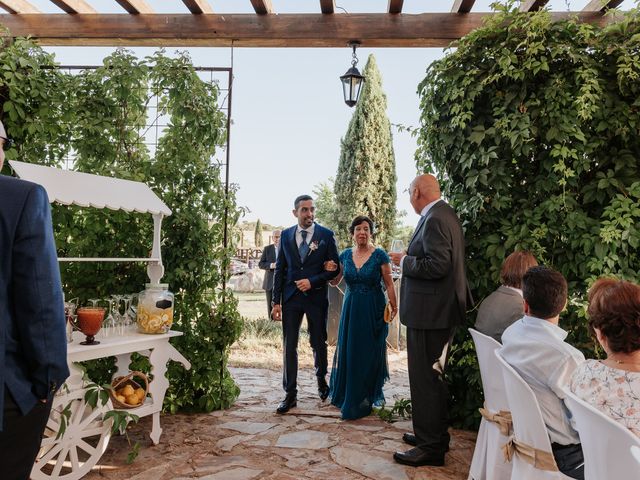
[[534, 346], [504, 306], [613, 385]]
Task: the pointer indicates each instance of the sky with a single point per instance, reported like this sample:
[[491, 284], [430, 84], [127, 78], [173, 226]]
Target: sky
[[288, 112]]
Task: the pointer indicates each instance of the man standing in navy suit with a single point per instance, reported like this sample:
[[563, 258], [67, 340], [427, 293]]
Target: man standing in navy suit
[[300, 288], [33, 344]]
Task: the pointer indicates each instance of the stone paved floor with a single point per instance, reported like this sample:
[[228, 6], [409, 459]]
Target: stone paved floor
[[249, 441]]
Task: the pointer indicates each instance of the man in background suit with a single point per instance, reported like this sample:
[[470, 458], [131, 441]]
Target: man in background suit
[[268, 263], [505, 305], [434, 296], [299, 289], [33, 344]]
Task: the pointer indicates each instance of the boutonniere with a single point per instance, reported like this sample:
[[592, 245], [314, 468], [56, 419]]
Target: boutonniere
[[313, 246]]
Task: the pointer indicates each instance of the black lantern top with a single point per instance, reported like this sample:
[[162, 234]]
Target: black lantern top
[[352, 80]]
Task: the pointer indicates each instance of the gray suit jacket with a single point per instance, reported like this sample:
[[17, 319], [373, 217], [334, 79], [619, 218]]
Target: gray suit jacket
[[498, 311], [268, 257], [434, 292]]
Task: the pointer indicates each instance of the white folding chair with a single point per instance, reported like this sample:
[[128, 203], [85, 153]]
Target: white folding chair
[[528, 426], [635, 451], [605, 443], [488, 460]]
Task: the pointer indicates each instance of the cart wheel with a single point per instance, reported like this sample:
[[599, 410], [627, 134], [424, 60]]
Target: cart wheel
[[85, 439]]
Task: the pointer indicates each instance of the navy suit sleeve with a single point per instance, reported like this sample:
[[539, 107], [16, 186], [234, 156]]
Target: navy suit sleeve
[[331, 254], [437, 260], [37, 296], [279, 274]]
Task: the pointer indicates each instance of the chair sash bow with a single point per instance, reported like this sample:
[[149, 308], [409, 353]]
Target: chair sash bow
[[538, 458], [502, 419]]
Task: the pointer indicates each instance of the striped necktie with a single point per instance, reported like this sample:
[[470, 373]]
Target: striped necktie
[[304, 247]]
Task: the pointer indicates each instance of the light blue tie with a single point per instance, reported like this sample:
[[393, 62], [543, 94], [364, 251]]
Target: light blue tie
[[304, 247]]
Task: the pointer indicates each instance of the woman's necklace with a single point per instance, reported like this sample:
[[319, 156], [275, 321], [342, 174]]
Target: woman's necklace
[[624, 362], [360, 255], [621, 362]]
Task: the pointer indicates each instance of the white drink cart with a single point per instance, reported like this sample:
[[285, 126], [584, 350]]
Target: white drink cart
[[73, 455]]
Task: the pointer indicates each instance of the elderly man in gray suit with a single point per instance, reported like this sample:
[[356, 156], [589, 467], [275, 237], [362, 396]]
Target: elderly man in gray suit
[[434, 296], [268, 263]]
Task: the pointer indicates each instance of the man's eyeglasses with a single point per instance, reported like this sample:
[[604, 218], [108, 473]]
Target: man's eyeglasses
[[8, 143]]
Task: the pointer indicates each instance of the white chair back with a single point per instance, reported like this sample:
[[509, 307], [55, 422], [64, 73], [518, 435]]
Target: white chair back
[[635, 451], [528, 424], [605, 443], [488, 460]]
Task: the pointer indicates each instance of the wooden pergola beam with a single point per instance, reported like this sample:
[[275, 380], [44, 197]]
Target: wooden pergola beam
[[395, 6], [250, 30], [601, 5], [18, 6], [198, 6], [74, 6], [532, 5], [328, 6], [135, 7], [262, 7], [462, 6]]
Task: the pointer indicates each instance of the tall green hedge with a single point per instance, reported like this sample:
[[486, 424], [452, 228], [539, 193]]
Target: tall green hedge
[[101, 116], [534, 128], [365, 183]]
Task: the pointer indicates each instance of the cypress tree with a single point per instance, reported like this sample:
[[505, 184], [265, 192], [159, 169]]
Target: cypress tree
[[366, 179], [257, 234]]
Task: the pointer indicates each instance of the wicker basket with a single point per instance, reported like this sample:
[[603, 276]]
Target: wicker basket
[[121, 382]]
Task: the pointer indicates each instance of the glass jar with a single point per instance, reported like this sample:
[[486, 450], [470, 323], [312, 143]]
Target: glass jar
[[155, 308]]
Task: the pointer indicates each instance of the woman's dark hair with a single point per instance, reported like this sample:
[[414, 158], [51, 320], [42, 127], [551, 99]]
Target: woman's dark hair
[[514, 268], [614, 309], [545, 290], [358, 220]]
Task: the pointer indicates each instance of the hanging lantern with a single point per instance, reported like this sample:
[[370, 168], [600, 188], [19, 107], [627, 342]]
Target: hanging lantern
[[352, 80]]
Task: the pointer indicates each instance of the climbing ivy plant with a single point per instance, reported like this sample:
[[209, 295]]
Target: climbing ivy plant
[[101, 116], [534, 128]]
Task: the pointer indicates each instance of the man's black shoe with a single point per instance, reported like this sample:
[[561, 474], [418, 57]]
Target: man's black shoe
[[410, 439], [417, 457], [287, 404], [323, 388]]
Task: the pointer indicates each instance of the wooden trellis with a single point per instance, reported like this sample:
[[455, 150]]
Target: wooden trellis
[[79, 23]]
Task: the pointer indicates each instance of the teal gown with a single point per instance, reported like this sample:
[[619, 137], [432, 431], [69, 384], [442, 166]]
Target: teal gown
[[360, 361]]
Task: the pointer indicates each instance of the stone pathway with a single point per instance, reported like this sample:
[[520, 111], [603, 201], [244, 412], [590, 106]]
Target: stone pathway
[[249, 441]]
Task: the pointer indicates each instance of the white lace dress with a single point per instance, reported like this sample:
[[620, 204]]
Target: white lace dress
[[614, 392]]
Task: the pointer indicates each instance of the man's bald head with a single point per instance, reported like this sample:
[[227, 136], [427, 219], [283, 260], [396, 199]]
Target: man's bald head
[[424, 190]]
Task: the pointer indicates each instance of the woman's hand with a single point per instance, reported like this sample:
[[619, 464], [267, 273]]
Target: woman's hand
[[330, 266]]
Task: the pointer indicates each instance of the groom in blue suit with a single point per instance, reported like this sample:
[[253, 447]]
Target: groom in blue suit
[[33, 344], [300, 288]]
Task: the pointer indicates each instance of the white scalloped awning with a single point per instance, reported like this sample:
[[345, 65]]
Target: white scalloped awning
[[87, 190]]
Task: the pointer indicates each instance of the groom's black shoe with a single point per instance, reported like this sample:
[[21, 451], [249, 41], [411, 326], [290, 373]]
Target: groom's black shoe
[[410, 439], [416, 457], [287, 404], [323, 388]]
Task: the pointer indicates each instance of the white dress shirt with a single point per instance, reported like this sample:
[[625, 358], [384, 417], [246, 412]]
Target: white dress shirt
[[536, 349], [309, 230]]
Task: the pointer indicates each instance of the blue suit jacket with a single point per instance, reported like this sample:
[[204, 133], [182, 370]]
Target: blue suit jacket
[[33, 344], [290, 267]]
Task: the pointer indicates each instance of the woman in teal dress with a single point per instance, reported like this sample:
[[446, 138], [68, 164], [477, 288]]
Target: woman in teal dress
[[360, 361]]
